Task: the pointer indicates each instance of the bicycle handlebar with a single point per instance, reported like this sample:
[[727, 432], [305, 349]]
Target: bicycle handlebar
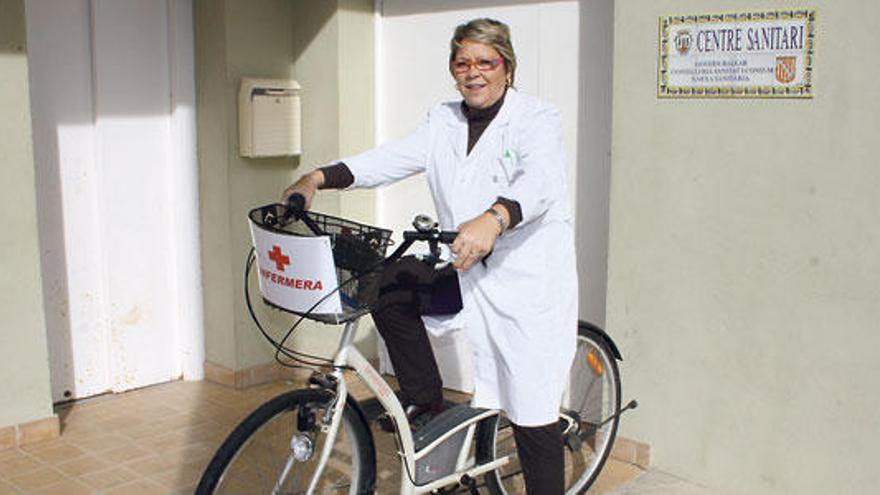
[[441, 236], [295, 208], [433, 237]]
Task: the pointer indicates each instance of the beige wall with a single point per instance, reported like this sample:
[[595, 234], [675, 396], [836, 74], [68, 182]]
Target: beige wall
[[333, 48], [310, 42], [744, 270], [24, 366]]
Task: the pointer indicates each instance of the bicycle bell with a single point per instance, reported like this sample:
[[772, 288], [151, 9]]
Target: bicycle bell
[[424, 223]]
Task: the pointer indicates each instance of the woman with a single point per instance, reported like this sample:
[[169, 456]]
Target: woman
[[496, 169]]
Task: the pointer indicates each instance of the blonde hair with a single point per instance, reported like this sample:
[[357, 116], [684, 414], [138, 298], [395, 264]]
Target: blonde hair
[[488, 32]]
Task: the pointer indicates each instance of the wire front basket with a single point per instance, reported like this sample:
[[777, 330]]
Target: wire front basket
[[358, 250]]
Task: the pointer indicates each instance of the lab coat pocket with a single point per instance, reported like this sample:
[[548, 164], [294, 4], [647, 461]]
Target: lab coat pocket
[[509, 160], [509, 166]]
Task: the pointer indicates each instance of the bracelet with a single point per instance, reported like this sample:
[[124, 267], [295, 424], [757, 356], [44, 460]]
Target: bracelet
[[499, 218]]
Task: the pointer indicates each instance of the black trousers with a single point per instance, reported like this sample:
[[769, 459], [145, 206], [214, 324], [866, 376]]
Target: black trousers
[[411, 288], [542, 458]]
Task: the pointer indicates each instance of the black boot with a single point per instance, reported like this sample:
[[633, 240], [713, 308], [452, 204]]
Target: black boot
[[417, 415]]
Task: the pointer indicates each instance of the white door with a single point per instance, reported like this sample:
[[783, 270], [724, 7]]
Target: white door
[[103, 77], [412, 73]]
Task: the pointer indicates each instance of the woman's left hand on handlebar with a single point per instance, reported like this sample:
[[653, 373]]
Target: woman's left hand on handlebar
[[307, 185], [475, 239]]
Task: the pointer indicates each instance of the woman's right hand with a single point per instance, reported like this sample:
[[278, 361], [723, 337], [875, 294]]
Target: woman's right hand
[[307, 185]]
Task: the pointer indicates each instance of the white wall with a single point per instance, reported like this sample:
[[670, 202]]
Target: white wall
[[113, 125], [64, 154]]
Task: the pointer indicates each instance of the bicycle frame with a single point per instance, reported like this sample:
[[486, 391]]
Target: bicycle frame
[[446, 451], [348, 357], [421, 472]]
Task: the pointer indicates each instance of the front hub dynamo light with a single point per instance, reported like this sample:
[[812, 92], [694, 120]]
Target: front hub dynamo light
[[302, 447]]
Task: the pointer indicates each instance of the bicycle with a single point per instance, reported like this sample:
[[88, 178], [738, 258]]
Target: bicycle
[[318, 439]]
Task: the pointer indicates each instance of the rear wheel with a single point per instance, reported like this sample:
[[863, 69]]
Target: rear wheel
[[276, 450], [588, 419]]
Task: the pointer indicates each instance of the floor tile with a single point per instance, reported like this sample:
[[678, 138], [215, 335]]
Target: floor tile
[[56, 453], [152, 465], [184, 490], [9, 453], [92, 426], [6, 489], [83, 465], [119, 422], [18, 464], [165, 442], [95, 442], [67, 487], [123, 453], [109, 477], [38, 478], [206, 433], [192, 453], [139, 487], [182, 475]]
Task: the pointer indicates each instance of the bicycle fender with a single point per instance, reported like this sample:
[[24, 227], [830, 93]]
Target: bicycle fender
[[604, 337]]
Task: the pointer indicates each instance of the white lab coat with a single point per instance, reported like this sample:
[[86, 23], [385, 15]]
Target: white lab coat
[[520, 309]]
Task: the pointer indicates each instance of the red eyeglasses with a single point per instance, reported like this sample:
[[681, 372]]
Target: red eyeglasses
[[482, 65]]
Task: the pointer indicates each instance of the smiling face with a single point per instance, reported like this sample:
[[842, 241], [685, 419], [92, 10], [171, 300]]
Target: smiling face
[[480, 88]]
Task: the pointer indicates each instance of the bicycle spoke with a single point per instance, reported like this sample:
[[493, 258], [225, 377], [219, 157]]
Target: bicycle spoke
[[277, 449], [291, 460]]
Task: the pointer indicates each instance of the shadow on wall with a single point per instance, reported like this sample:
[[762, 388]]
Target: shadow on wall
[[12, 32], [596, 32]]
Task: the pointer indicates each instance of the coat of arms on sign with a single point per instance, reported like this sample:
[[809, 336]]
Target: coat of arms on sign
[[785, 69]]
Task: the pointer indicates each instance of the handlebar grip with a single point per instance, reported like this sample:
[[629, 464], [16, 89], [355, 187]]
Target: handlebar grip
[[295, 206], [448, 236], [444, 236]]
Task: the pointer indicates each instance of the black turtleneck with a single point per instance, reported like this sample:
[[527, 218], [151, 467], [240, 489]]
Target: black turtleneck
[[478, 119], [338, 176]]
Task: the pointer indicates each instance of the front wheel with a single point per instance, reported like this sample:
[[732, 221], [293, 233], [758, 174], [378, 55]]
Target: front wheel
[[276, 450], [588, 420]]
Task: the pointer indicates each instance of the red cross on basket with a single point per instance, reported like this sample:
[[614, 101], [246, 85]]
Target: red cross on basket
[[279, 258]]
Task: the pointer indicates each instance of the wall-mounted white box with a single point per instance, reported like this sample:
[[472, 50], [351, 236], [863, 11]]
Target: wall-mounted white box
[[269, 118]]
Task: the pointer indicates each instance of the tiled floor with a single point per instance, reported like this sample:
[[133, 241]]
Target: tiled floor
[[158, 440]]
